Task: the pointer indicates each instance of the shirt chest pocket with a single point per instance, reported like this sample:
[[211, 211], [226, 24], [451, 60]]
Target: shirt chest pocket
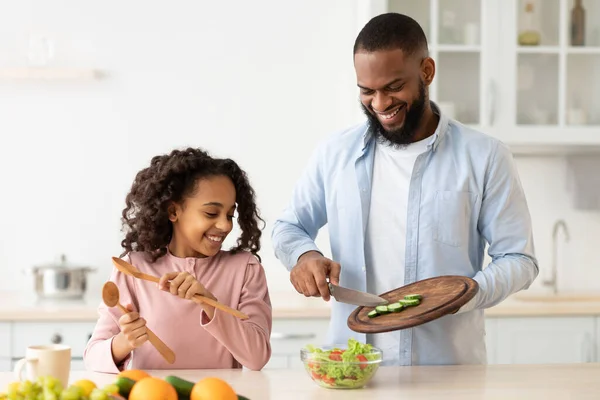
[[453, 214]]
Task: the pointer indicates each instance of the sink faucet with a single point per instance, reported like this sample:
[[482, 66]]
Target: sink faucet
[[557, 225]]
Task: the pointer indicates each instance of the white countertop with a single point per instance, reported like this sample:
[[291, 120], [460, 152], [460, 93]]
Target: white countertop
[[531, 382], [15, 307]]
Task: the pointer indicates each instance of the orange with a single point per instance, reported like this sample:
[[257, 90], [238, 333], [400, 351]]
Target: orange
[[152, 389], [134, 374], [211, 389]]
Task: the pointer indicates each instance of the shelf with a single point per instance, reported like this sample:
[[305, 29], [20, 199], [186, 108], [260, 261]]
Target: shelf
[[538, 49], [50, 74], [456, 48], [583, 50], [550, 140]]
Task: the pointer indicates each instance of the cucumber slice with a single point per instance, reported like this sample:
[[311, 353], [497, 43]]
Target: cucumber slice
[[372, 314], [382, 310], [413, 297], [410, 303], [395, 307]]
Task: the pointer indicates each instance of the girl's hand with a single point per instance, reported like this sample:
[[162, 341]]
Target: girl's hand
[[185, 285], [133, 334], [133, 328]]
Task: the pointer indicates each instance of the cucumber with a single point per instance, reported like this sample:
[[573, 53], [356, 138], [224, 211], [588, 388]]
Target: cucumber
[[381, 310], [395, 307], [372, 314], [124, 384], [413, 297], [409, 303], [182, 387], [240, 397]]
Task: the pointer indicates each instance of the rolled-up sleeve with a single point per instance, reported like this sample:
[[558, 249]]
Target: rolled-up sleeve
[[505, 223]]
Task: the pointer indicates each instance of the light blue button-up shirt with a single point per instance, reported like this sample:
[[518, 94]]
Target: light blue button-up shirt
[[464, 192]]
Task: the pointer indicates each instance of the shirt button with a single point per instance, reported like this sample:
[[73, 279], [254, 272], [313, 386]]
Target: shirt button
[[364, 269]]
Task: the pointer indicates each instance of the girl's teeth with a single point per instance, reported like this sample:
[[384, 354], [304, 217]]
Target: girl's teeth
[[215, 238]]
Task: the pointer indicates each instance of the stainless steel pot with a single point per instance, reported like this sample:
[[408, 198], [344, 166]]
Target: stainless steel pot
[[61, 280]]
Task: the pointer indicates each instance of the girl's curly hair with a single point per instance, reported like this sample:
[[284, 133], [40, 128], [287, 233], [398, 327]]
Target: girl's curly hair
[[170, 178]]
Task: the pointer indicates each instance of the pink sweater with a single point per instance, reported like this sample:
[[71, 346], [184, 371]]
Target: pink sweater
[[224, 342]]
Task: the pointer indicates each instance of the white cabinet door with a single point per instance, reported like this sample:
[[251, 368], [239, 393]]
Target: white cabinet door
[[545, 340], [74, 334], [288, 336], [5, 340], [491, 341], [5, 365]]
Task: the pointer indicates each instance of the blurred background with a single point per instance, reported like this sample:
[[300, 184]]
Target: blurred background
[[91, 91]]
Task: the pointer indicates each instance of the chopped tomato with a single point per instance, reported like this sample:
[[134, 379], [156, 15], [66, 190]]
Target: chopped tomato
[[316, 376], [335, 355], [364, 359], [328, 380], [312, 365]]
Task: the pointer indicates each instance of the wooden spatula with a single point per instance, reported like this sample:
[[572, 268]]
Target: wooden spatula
[[130, 270]]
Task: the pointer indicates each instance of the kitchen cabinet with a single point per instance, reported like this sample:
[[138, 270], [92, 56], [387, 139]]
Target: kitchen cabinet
[[289, 335], [509, 340], [542, 98], [545, 340], [491, 331], [73, 334], [4, 339]]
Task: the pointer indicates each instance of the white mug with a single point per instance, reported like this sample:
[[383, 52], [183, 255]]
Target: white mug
[[45, 360]]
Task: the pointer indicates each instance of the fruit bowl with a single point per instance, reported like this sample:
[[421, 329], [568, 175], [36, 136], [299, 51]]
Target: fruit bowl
[[341, 366]]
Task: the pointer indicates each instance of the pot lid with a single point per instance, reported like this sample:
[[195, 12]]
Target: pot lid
[[61, 264]]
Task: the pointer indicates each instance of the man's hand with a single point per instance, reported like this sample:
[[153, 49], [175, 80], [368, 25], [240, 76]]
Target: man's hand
[[309, 275]]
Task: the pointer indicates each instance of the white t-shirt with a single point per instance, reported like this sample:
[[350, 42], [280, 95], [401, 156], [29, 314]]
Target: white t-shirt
[[386, 228]]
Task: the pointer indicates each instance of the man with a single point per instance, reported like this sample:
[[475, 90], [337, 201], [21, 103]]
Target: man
[[408, 195]]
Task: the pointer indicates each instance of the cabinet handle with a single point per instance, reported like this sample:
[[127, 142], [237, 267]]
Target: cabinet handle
[[492, 102], [292, 336], [56, 338]]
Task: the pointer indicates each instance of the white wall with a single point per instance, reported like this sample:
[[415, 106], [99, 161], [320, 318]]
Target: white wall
[[545, 181], [258, 81]]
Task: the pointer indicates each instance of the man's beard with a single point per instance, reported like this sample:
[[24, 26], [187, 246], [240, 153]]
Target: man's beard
[[405, 134]]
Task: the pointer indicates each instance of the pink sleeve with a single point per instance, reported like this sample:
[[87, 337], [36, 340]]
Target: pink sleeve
[[97, 355], [247, 340]]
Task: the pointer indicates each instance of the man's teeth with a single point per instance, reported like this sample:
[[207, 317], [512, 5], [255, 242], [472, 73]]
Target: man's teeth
[[390, 115], [215, 238]]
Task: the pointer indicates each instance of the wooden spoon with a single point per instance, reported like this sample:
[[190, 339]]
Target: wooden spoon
[[110, 296], [130, 270]]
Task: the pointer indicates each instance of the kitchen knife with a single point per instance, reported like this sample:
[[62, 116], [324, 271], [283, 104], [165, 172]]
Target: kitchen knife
[[355, 297]]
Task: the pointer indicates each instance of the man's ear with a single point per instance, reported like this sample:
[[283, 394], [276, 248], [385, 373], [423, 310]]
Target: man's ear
[[427, 70]]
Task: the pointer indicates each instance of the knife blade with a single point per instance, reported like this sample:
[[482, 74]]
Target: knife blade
[[355, 297]]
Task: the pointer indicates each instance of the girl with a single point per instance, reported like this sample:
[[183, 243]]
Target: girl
[[178, 213]]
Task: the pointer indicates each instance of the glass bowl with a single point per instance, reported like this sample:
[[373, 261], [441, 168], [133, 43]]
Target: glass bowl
[[329, 367]]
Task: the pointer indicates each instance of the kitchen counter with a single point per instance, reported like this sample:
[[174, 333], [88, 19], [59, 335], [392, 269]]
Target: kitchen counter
[[547, 382], [14, 307]]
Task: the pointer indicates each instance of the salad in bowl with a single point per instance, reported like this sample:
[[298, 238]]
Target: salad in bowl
[[348, 366]]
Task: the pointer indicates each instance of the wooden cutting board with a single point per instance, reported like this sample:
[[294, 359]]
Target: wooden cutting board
[[442, 295]]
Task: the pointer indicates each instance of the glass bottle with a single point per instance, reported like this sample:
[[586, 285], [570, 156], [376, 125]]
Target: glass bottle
[[577, 24], [529, 34]]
